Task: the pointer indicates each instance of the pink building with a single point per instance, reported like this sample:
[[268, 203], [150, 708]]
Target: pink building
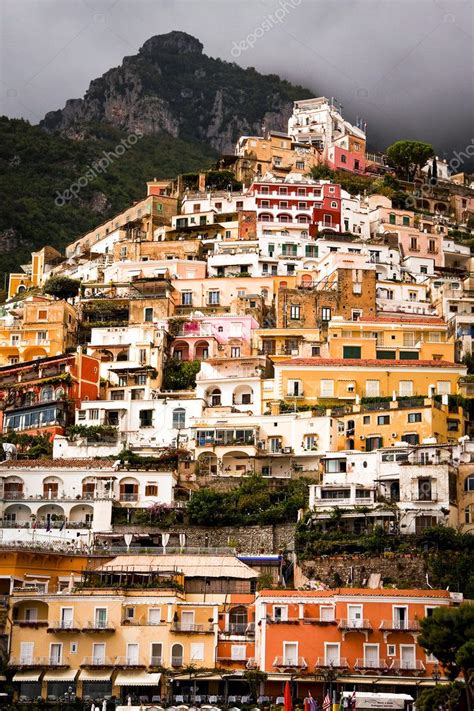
[[203, 337], [343, 159]]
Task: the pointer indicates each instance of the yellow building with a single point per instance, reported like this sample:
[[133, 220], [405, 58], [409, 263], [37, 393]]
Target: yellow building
[[406, 337], [38, 327], [317, 380], [130, 627], [383, 424], [34, 274]]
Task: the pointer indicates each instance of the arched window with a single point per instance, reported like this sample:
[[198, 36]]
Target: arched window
[[47, 393], [468, 514], [177, 655], [264, 217], [469, 483], [215, 397], [29, 398], [179, 418], [60, 393]]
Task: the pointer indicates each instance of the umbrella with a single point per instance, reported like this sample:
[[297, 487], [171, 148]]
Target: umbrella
[[129, 701], [104, 705], [93, 707], [287, 696]]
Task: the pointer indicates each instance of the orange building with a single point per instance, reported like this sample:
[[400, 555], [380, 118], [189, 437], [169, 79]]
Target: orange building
[[328, 640]]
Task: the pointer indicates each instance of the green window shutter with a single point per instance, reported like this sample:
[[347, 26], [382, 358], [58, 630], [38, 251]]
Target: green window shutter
[[351, 351], [386, 355], [409, 355]]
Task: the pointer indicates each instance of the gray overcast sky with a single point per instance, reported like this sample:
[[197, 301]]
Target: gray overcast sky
[[406, 66]]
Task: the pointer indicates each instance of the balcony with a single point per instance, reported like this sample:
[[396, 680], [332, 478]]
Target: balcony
[[97, 663], [323, 663], [290, 663], [191, 628], [38, 662], [365, 665], [239, 628], [156, 662], [400, 626], [128, 663], [251, 663], [99, 627], [349, 625], [35, 624], [319, 621], [62, 626], [176, 662], [407, 667]]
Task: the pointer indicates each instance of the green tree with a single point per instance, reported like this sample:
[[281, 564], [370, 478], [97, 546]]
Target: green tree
[[180, 374], [447, 696], [62, 287], [448, 634], [408, 156]]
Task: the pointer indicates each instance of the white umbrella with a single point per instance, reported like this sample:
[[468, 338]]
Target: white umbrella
[[93, 707], [129, 701], [104, 705]]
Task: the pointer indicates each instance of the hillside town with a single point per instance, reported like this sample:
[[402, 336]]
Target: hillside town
[[257, 334]]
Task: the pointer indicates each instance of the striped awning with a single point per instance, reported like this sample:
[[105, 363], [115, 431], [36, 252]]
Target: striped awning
[[137, 678], [95, 675], [27, 676], [60, 675]]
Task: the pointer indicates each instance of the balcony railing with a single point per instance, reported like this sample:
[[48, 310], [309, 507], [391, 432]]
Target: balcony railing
[[322, 663], [400, 625], [251, 663], [38, 662], [364, 665], [290, 663], [319, 621], [129, 662], [354, 625], [64, 626], [156, 661], [185, 627], [30, 623], [240, 628], [98, 626], [176, 661], [400, 666], [99, 662]]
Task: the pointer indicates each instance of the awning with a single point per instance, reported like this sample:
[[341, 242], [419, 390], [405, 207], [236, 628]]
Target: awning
[[27, 676], [60, 675], [280, 677], [198, 677], [137, 678], [369, 700], [95, 675]]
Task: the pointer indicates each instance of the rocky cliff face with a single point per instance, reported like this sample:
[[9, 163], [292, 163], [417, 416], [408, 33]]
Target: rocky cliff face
[[171, 86]]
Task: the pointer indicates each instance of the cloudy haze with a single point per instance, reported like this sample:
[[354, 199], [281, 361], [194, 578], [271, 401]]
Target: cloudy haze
[[406, 66]]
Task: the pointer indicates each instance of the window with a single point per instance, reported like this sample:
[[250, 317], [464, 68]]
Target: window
[[331, 654], [42, 336], [290, 654], [93, 414], [414, 244], [42, 315], [294, 312], [351, 352], [148, 314], [414, 417], [151, 490], [311, 442], [100, 617], [238, 652], [443, 387], [411, 438], [366, 420], [432, 246], [129, 613], [280, 613], [213, 298], [326, 388], [392, 219], [315, 351], [295, 388], [186, 298], [405, 388], [372, 388], [406, 220], [154, 616], [197, 652], [383, 419], [424, 489], [274, 444], [47, 393], [117, 394], [146, 418], [335, 466], [235, 352], [373, 443], [179, 418], [73, 648], [122, 381], [325, 314], [132, 653], [469, 483], [55, 653], [156, 656]]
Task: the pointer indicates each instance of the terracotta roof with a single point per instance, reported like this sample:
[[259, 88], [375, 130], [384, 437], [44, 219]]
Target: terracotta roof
[[369, 362], [404, 318], [89, 463], [366, 592]]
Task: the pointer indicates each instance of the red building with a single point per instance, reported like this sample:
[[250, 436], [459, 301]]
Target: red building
[[40, 396], [327, 212], [344, 159]]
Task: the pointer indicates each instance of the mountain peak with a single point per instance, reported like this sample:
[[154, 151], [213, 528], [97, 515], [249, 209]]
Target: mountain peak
[[172, 43]]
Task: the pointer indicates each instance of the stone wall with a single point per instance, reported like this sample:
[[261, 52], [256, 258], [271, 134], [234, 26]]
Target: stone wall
[[354, 570], [248, 539]]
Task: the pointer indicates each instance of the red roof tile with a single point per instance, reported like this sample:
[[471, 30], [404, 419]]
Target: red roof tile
[[404, 318], [369, 362], [366, 592]]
